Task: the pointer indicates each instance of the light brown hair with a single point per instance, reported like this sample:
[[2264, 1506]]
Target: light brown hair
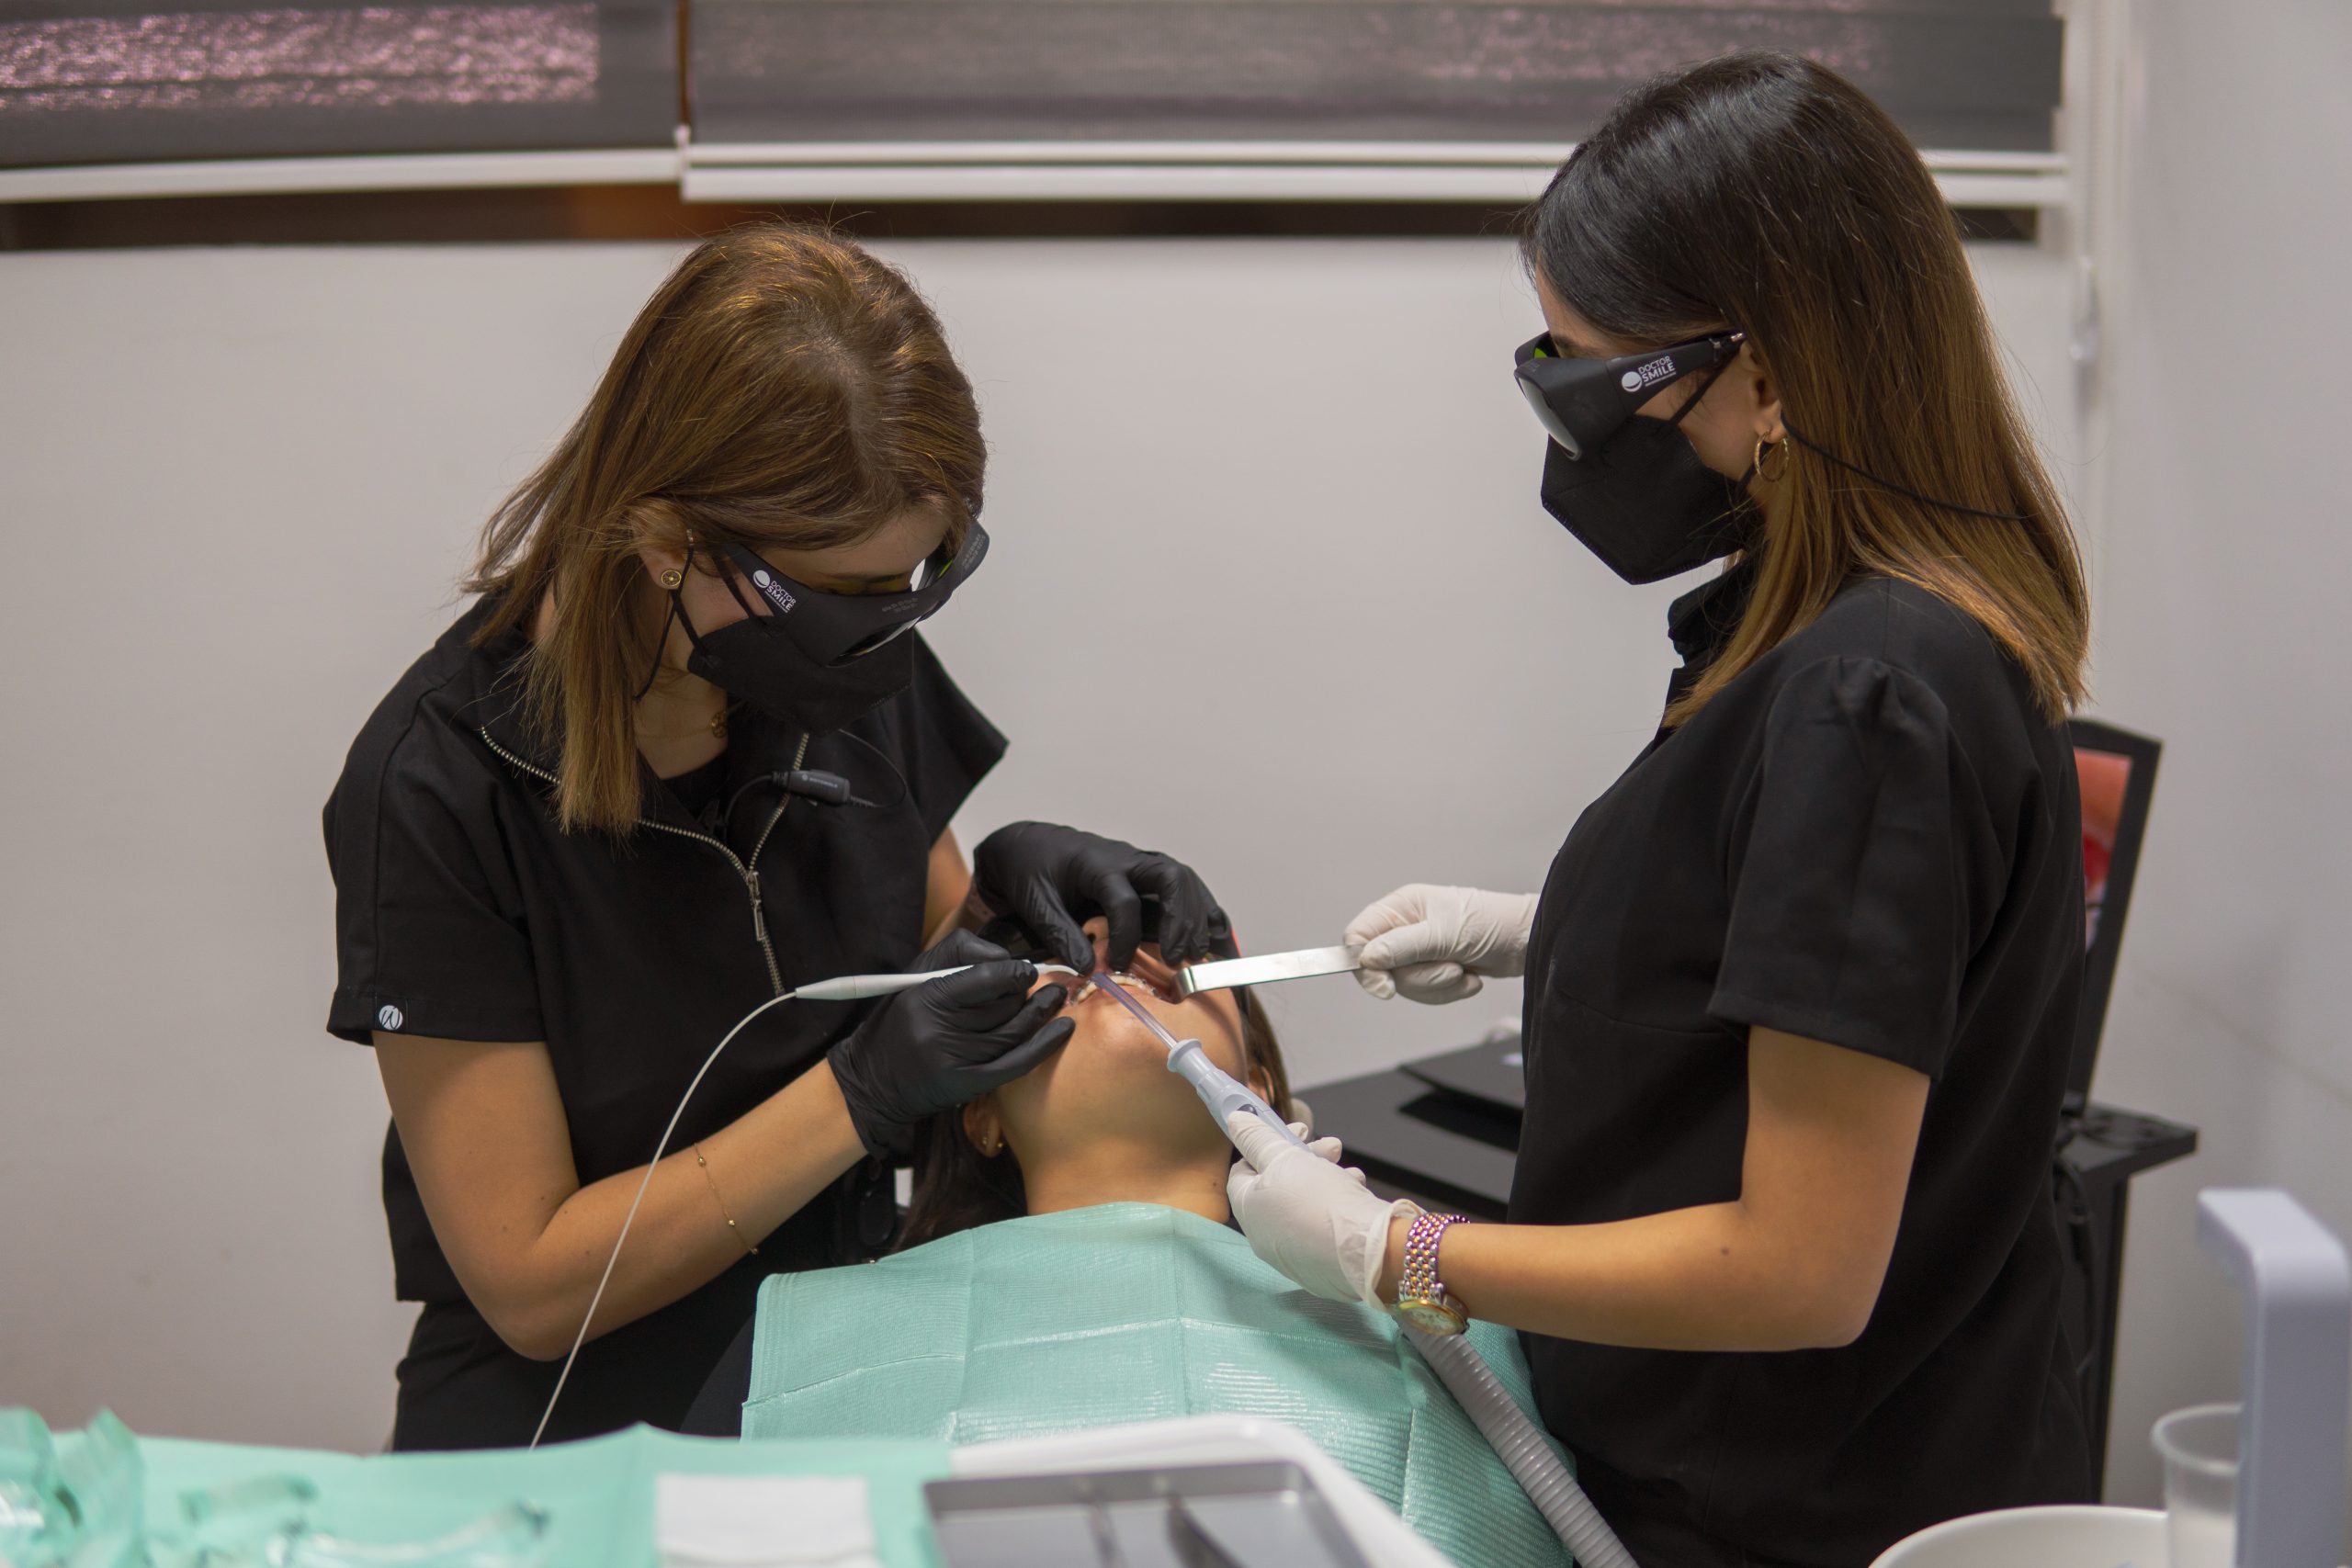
[[1768, 194], [782, 389], [957, 1187]]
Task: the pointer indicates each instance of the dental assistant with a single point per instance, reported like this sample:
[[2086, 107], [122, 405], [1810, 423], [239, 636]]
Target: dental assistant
[[1801, 985], [684, 753]]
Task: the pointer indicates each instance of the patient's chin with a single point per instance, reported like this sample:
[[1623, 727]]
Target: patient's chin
[[1117, 1068], [1104, 1026], [1109, 1040]]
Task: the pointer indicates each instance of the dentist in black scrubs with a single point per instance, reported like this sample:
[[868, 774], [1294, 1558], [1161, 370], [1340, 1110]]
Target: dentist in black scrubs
[[684, 753], [1801, 984]]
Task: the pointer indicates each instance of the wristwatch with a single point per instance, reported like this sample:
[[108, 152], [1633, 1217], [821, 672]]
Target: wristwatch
[[1422, 1300]]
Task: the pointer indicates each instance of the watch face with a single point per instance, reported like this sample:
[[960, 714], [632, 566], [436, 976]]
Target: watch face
[[1432, 1316]]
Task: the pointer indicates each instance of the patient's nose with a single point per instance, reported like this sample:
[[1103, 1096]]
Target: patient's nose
[[1097, 929]]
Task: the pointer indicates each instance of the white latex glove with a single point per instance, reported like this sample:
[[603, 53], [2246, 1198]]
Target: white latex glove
[[1306, 1215], [1432, 944]]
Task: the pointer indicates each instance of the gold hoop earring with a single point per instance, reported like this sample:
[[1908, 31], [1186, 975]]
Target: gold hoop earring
[[671, 576], [1762, 446]]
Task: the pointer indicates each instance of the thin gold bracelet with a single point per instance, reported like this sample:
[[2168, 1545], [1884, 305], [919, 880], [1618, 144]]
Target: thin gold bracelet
[[712, 1182]]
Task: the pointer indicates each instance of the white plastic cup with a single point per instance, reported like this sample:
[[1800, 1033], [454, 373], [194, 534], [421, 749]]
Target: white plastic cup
[[2199, 1448], [2059, 1535]]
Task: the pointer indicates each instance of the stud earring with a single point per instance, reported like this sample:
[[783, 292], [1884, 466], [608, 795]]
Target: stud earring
[[671, 576]]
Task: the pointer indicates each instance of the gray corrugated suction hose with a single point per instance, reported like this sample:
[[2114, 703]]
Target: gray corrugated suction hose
[[1524, 1450]]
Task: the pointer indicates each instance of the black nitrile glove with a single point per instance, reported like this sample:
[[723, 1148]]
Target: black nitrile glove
[[1050, 878], [946, 1041]]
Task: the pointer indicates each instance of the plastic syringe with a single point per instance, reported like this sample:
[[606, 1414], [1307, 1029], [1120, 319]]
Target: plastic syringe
[[1218, 1090]]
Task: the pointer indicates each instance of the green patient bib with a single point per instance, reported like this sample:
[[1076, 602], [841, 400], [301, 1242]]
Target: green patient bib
[[1132, 1312]]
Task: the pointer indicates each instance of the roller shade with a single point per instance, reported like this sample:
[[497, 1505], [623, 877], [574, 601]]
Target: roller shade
[[1957, 73], [113, 80]]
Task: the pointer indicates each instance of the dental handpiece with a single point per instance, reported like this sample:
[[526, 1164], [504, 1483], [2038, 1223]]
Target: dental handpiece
[[1218, 1090], [840, 988], [861, 987]]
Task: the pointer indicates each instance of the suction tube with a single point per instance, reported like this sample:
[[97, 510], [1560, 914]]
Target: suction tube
[[1515, 1439], [1520, 1444]]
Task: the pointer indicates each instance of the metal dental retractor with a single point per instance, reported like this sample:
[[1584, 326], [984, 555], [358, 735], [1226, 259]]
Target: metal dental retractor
[[1301, 964]]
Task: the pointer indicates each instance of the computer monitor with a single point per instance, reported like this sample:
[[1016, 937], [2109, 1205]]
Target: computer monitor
[[2117, 770]]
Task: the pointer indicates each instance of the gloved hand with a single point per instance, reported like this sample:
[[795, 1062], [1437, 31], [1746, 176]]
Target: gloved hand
[[1305, 1215], [1433, 943], [947, 1041], [1050, 878]]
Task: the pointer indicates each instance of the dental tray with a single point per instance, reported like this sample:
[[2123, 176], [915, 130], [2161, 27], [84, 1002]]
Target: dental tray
[[1262, 1514]]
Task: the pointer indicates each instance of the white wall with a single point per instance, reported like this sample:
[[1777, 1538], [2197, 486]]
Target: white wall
[[2223, 629], [1271, 504]]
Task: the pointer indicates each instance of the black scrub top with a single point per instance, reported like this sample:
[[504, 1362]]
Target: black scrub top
[[464, 912], [1872, 837]]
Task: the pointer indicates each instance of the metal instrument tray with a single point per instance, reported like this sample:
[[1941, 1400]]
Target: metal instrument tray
[[1260, 1514]]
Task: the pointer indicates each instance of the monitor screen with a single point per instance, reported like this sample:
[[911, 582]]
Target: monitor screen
[[2106, 780], [2115, 771]]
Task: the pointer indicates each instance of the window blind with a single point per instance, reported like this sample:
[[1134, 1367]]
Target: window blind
[[1980, 75], [114, 81]]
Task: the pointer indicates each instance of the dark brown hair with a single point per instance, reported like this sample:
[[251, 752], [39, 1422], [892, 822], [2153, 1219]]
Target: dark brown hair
[[782, 387], [957, 1187], [1770, 194]]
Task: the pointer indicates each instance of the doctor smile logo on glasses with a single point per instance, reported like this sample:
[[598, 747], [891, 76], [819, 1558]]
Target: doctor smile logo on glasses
[[774, 591], [1656, 370]]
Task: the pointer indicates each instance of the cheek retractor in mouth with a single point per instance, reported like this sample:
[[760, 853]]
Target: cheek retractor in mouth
[[1130, 982]]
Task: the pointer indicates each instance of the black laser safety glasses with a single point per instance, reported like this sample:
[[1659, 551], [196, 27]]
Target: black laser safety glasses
[[1583, 403], [833, 629]]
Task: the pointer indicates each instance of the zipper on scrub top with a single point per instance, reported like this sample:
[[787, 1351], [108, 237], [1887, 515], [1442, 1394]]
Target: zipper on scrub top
[[749, 873]]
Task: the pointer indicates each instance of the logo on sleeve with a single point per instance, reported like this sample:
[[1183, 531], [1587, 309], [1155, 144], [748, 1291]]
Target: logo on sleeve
[[389, 1017]]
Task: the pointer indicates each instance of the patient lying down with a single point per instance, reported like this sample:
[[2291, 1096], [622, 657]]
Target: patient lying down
[[1104, 1121], [1067, 1264]]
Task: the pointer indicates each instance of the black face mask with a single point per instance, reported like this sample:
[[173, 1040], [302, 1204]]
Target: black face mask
[[1644, 503], [756, 661]]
